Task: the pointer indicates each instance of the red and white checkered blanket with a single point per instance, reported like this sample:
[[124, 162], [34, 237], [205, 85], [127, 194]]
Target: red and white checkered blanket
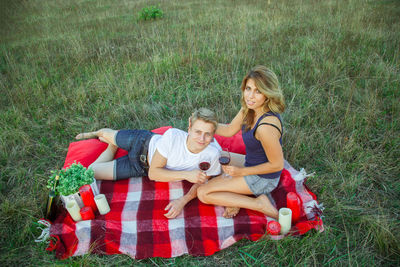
[[136, 224]]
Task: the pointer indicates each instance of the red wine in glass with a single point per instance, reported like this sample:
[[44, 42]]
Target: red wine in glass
[[204, 165], [224, 160]]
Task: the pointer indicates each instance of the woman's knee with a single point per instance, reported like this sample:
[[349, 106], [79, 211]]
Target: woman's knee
[[202, 193]]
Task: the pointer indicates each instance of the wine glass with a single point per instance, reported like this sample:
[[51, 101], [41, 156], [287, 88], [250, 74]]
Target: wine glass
[[224, 159], [204, 163]]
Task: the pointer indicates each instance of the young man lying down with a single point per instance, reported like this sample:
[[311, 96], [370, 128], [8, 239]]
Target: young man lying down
[[173, 156]]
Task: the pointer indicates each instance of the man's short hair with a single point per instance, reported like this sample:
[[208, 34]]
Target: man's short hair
[[204, 114]]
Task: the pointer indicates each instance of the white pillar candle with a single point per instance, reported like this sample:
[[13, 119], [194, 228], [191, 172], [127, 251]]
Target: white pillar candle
[[285, 220], [73, 210], [102, 204]]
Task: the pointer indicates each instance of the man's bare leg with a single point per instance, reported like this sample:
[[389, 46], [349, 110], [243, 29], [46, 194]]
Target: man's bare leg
[[103, 166], [106, 135]]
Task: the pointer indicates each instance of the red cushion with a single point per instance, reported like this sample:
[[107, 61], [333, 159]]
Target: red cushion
[[232, 144]]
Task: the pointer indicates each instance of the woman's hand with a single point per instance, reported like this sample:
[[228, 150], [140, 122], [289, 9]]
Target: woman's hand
[[174, 208], [233, 170]]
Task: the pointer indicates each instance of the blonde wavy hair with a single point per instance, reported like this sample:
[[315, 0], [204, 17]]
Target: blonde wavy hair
[[267, 83]]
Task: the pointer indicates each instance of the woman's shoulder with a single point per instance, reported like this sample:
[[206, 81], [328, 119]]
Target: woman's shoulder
[[272, 120]]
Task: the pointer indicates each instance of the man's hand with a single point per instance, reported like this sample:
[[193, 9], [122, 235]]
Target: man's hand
[[232, 170], [158, 172], [174, 208], [196, 177]]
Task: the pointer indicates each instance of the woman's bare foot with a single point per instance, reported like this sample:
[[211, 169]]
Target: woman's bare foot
[[266, 206], [230, 212]]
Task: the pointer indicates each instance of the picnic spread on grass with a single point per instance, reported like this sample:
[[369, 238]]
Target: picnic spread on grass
[[127, 216]]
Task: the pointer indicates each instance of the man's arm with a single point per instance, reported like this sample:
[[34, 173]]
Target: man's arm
[[175, 207], [158, 172]]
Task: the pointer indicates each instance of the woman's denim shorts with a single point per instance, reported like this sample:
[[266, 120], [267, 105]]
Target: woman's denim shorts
[[259, 185]]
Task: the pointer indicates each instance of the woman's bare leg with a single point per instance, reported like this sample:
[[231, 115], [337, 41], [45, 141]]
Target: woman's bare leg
[[234, 194], [236, 160]]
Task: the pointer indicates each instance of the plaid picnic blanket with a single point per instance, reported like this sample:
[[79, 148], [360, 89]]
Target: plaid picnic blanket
[[136, 224]]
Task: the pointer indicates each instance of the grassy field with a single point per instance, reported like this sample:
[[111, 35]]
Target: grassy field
[[69, 66]]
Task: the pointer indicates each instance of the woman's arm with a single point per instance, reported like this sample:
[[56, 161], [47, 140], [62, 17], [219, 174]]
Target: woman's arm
[[232, 128], [269, 138]]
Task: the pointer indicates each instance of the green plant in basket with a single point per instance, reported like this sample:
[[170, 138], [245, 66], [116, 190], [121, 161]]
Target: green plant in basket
[[71, 179]]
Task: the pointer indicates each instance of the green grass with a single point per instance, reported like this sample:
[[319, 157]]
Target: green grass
[[69, 66]]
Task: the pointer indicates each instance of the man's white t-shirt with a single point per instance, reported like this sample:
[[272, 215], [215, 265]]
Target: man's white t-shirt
[[172, 146]]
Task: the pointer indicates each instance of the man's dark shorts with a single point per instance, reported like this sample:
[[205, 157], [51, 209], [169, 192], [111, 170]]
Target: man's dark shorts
[[136, 142]]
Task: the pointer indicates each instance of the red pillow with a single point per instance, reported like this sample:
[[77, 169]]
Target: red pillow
[[233, 144]]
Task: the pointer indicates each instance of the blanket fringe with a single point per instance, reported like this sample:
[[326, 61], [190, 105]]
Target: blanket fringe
[[45, 235], [312, 209], [319, 208], [302, 175]]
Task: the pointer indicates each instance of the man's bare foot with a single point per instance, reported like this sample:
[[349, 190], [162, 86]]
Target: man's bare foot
[[87, 135], [266, 206], [230, 212]]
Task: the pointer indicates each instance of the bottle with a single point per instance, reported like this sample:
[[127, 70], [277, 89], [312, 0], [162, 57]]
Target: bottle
[[51, 208]]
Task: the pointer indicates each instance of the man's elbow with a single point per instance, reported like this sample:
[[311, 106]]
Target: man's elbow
[[151, 175], [156, 175]]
